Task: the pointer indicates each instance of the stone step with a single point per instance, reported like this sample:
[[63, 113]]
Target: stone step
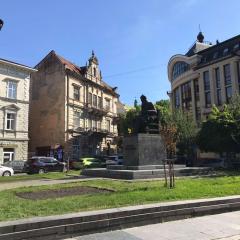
[[68, 225], [145, 174]]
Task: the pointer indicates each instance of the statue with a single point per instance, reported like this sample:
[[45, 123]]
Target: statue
[[147, 121]]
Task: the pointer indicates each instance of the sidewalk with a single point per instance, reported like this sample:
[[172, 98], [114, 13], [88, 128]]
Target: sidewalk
[[41, 182], [224, 226]]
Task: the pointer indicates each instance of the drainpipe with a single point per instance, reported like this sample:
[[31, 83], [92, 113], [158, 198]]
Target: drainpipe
[[67, 104]]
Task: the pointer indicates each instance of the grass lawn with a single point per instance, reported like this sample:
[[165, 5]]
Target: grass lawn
[[126, 193], [50, 175]]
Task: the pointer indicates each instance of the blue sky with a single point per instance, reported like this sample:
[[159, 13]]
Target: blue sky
[[133, 39]]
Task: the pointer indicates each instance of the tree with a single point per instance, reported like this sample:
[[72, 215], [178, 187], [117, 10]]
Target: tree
[[220, 133], [186, 133]]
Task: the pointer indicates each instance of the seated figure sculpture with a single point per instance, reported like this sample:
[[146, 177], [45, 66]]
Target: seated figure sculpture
[[147, 121]]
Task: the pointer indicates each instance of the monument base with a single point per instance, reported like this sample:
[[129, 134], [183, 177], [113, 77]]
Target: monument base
[[122, 172], [143, 149]]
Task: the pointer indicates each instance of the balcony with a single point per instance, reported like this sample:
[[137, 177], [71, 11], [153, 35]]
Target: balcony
[[97, 110], [91, 131]]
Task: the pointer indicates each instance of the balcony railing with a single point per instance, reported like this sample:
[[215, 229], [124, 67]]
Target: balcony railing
[[97, 109], [92, 131]]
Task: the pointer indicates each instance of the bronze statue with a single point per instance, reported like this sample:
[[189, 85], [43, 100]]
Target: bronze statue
[[147, 121]]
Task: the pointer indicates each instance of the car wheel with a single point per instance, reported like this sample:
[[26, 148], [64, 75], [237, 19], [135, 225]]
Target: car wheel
[[6, 174], [41, 171]]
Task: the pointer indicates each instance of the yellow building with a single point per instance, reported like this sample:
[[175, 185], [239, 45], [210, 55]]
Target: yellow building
[[207, 74], [71, 107]]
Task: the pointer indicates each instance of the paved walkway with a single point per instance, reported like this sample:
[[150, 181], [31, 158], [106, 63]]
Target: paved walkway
[[40, 182], [224, 226]]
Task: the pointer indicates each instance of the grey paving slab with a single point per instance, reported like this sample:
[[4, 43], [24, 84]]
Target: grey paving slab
[[224, 226]]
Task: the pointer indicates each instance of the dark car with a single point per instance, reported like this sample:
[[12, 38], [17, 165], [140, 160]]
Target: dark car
[[43, 165]]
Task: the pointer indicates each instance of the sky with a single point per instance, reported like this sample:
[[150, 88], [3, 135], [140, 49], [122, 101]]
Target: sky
[[133, 39]]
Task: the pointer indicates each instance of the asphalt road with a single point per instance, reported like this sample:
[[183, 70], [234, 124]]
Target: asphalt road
[[224, 226]]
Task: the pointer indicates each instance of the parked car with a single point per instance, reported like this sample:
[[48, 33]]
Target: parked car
[[6, 171], [88, 162], [43, 165], [16, 165], [114, 160]]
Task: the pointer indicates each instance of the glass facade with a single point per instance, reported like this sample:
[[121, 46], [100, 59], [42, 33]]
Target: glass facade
[[179, 68]]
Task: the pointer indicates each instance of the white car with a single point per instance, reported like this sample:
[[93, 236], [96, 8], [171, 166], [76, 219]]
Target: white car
[[6, 171]]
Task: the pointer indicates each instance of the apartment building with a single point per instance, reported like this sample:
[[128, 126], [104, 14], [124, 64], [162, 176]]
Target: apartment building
[[72, 109]]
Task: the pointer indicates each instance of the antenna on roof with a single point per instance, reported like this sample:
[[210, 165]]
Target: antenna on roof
[[199, 27]]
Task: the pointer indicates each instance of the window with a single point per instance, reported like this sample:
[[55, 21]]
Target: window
[[99, 123], [196, 90], [94, 125], [207, 91], [94, 72], [108, 125], [228, 82], [215, 55], [10, 121], [89, 123], [76, 148], [94, 100], [238, 75], [228, 93], [99, 102], [186, 96], [107, 104], [8, 154], [76, 119], [218, 86], [225, 51], [236, 46], [12, 89], [76, 93], [89, 98], [179, 68], [177, 98], [227, 74]]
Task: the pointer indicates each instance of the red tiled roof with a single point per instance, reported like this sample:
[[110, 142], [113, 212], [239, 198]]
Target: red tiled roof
[[80, 70]]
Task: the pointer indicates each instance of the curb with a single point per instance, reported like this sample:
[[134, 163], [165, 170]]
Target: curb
[[69, 225]]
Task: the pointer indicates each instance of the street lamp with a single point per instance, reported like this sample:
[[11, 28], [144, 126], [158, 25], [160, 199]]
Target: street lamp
[[1, 24]]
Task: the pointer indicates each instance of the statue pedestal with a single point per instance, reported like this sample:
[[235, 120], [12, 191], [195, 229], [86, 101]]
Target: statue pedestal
[[143, 159], [143, 149]]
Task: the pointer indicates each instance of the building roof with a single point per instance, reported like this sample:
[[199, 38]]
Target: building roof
[[219, 51], [17, 64], [81, 71]]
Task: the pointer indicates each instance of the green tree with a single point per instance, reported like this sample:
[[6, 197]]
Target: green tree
[[164, 111], [186, 133], [220, 133]]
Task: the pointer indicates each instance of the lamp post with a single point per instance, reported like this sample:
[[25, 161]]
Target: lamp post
[[1, 24]]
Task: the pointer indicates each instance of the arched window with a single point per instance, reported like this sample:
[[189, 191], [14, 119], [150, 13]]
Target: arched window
[[94, 72], [179, 68]]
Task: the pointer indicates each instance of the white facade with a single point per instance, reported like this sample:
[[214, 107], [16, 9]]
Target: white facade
[[14, 108]]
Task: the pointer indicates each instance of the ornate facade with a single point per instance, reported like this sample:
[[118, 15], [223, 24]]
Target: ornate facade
[[207, 74], [14, 108], [72, 107]]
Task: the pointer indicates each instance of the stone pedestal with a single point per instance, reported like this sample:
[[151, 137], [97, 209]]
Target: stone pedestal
[[143, 149]]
